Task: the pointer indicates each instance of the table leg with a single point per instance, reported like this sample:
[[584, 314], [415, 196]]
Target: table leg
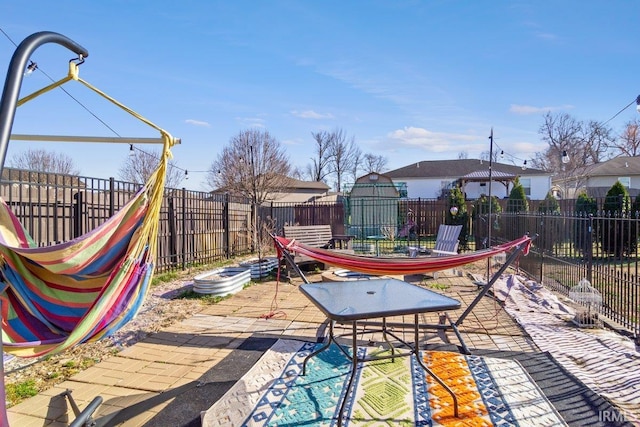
[[354, 368], [384, 336], [321, 349], [416, 351]]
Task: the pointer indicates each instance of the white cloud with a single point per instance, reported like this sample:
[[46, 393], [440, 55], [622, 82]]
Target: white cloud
[[529, 109], [310, 114], [432, 141], [251, 122], [197, 123]]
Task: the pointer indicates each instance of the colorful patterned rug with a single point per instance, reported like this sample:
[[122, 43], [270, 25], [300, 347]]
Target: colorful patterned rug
[[490, 391]]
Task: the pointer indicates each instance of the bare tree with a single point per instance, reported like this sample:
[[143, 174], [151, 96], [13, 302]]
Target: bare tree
[[139, 166], [253, 165], [38, 160], [628, 142], [562, 133], [356, 164], [374, 163], [343, 156], [463, 155], [572, 147], [319, 169], [596, 139], [484, 156], [45, 166]]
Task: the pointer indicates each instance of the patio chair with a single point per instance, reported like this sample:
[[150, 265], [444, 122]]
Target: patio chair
[[446, 242]]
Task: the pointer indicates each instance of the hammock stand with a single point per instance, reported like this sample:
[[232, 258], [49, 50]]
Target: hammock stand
[[396, 266], [108, 268]]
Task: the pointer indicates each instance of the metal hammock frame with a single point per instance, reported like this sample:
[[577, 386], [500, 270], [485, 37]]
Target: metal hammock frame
[[519, 247]]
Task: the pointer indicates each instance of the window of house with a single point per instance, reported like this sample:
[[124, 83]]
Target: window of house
[[625, 180], [526, 185]]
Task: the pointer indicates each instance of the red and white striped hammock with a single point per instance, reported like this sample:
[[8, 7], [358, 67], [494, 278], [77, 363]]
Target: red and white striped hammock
[[395, 266]]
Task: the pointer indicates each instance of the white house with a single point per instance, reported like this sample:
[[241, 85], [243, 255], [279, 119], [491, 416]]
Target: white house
[[598, 178], [432, 178]]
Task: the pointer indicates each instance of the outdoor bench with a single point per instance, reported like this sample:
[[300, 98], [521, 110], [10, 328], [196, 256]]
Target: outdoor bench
[[317, 236]]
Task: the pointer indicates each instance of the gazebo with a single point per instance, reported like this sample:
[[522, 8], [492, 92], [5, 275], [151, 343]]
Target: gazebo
[[503, 178]]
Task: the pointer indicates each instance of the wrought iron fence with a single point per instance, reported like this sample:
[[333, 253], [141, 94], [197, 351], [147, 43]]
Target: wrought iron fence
[[602, 248], [201, 228]]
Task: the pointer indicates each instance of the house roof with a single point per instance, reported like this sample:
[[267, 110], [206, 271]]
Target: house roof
[[292, 183], [459, 168], [484, 174], [619, 166]]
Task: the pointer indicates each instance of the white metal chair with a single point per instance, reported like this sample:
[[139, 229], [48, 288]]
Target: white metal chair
[[446, 242]]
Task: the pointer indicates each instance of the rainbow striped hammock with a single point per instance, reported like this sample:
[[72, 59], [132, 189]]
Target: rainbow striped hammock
[[58, 296]]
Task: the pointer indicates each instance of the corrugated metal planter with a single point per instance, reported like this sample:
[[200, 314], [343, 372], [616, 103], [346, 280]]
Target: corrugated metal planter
[[222, 281], [260, 267]]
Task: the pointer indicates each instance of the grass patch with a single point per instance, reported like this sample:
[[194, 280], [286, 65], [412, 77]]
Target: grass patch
[[20, 391], [206, 299], [438, 286]]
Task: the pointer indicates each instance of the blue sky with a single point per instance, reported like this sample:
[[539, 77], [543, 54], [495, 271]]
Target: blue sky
[[409, 80]]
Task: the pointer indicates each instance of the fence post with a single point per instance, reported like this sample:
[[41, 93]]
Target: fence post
[[77, 214], [184, 228], [590, 252], [112, 208], [171, 217], [225, 225]]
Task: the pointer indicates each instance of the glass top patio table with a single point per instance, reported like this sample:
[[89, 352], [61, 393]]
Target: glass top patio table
[[368, 299]]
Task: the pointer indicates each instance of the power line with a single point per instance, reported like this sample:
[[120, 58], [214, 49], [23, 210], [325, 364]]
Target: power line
[[618, 113], [36, 67]]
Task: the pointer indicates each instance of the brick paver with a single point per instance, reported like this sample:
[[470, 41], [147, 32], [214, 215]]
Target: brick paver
[[183, 352]]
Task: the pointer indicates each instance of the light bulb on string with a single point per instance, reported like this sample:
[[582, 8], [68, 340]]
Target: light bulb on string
[[565, 157], [131, 152], [524, 165], [31, 68]]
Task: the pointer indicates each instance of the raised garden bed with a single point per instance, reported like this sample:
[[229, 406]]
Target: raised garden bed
[[222, 281], [260, 267]]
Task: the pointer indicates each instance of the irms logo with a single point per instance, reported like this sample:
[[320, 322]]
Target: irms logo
[[615, 416]]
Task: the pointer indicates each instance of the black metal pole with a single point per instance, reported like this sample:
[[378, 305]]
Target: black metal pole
[[489, 223], [8, 104], [15, 73]]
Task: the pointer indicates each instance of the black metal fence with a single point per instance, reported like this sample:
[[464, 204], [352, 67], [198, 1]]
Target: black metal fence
[[201, 228], [601, 248]]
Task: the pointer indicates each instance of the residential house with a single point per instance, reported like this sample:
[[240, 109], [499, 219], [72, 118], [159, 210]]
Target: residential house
[[433, 178], [293, 190], [597, 179], [298, 191]]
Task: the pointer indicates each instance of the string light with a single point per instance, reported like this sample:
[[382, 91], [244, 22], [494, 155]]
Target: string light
[[565, 157], [186, 174], [524, 166], [131, 152], [31, 68]]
